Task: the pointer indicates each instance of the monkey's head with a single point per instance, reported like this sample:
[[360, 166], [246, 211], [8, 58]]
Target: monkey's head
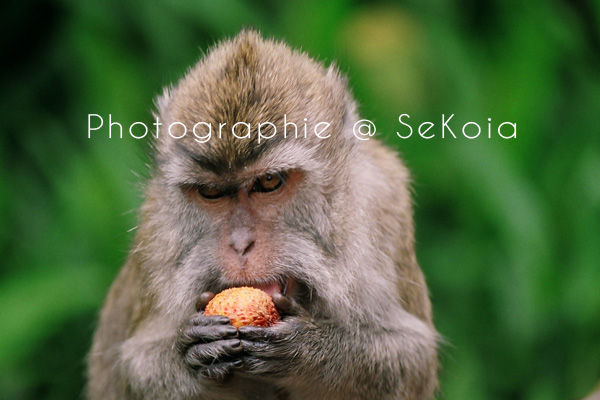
[[240, 209]]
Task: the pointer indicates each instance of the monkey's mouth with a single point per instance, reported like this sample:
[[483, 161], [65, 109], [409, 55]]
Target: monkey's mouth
[[284, 285]]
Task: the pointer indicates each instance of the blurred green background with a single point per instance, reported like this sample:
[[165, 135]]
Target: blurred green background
[[508, 230]]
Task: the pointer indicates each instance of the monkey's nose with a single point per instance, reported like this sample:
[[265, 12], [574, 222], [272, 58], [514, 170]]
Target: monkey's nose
[[241, 240]]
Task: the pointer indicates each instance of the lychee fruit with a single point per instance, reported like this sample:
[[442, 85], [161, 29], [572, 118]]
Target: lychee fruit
[[244, 306]]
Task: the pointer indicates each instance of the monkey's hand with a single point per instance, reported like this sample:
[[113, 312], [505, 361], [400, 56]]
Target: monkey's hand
[[268, 352], [209, 344], [322, 359]]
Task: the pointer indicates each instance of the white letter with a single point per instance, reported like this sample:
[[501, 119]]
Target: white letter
[[322, 130], [247, 136], [221, 125], [514, 134], [409, 127], [445, 125], [422, 134], [131, 130], [305, 128], [177, 123], [110, 125], [260, 135], [478, 130], [203, 139], [94, 129], [157, 124], [285, 125]]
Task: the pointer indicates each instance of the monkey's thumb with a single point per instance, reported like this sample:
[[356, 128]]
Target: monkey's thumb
[[288, 306]]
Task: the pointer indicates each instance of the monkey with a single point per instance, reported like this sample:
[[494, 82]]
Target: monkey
[[322, 223]]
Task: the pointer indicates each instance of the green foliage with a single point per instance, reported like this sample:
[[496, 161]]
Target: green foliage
[[508, 230]]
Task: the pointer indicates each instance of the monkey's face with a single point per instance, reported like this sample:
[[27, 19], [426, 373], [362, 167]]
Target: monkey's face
[[264, 218], [247, 218], [234, 210]]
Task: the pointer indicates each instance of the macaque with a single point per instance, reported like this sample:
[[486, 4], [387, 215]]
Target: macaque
[[322, 223]]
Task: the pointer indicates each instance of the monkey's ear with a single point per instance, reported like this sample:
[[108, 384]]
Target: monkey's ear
[[162, 115], [350, 116], [339, 85], [162, 103], [335, 76]]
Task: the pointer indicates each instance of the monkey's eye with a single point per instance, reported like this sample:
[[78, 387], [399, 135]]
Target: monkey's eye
[[268, 183], [210, 193]]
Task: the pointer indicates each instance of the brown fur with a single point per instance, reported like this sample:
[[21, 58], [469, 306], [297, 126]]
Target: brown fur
[[341, 227]]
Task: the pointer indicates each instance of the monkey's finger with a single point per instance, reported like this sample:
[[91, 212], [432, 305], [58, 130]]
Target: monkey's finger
[[259, 333], [210, 353], [260, 348], [282, 302], [206, 320], [219, 372], [203, 300], [264, 366], [289, 306], [207, 334]]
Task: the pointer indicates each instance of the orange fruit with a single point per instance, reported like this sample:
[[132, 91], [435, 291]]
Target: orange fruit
[[244, 306]]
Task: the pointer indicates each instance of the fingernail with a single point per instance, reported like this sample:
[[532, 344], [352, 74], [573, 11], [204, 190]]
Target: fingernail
[[203, 300], [281, 302], [232, 332]]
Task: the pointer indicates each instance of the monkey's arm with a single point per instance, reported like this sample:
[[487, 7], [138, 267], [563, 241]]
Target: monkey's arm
[[361, 362], [148, 365], [104, 380], [134, 355]]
